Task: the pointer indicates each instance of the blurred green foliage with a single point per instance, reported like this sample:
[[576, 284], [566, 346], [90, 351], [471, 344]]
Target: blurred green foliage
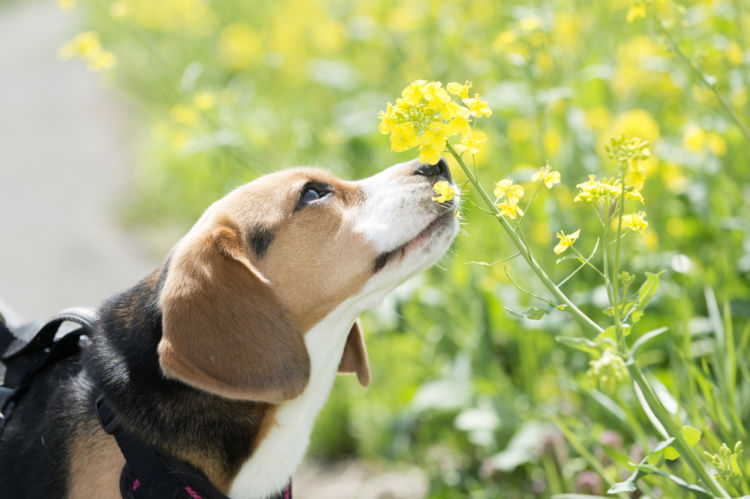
[[488, 404]]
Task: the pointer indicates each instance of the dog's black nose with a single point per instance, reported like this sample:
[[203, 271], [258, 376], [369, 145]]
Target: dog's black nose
[[439, 169]]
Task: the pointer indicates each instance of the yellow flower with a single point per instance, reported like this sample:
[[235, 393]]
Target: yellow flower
[[432, 140], [426, 115], [403, 137], [102, 60], [506, 188], [119, 9], [551, 141], [429, 155], [636, 221], [587, 190], [83, 45], [566, 241], [66, 4], [459, 125], [510, 210], [445, 190], [477, 106], [459, 90], [184, 115], [734, 54], [470, 142], [635, 177], [636, 11], [412, 94], [239, 46], [633, 194], [694, 138], [87, 46], [204, 101], [530, 23], [549, 178], [716, 144]]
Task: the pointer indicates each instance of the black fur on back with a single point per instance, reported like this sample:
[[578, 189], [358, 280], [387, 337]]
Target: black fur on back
[[122, 362]]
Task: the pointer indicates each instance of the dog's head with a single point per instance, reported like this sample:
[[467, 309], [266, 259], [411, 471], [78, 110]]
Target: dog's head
[[274, 257]]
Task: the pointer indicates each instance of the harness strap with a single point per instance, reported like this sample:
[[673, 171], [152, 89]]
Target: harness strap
[[24, 359], [150, 475], [44, 338]]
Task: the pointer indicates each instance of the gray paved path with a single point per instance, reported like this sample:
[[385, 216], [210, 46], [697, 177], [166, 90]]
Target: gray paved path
[[64, 167]]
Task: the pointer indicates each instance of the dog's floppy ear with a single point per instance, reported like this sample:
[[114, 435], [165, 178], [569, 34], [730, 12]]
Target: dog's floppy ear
[[224, 329], [355, 359]]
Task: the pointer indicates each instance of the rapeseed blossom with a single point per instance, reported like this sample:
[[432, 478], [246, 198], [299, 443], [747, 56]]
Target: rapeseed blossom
[[566, 241], [87, 46], [506, 188], [445, 191], [605, 191], [507, 196], [550, 178], [66, 4], [426, 116], [635, 221]]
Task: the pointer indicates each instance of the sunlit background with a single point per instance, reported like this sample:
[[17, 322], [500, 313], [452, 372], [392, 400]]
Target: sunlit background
[[481, 402]]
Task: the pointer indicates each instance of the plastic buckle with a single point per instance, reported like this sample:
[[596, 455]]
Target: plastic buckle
[[106, 416]]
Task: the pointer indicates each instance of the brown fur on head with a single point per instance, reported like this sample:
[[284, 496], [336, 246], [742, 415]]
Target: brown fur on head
[[235, 310]]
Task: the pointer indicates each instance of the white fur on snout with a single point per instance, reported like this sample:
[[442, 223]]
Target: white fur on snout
[[396, 209]]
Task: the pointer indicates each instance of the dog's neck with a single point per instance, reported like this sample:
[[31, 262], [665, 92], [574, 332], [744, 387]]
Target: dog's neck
[[246, 449], [280, 451]]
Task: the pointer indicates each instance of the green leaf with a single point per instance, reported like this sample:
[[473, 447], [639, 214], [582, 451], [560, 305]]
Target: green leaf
[[692, 435], [671, 453], [643, 469], [646, 337], [648, 289], [582, 344], [627, 485], [697, 490], [532, 313]]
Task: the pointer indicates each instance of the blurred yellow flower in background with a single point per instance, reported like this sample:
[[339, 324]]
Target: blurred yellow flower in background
[[66, 4], [238, 46], [87, 47]]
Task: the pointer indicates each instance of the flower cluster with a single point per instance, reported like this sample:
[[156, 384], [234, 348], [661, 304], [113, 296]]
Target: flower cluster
[[605, 192], [426, 116], [629, 154], [608, 370], [88, 47], [727, 461], [507, 196]]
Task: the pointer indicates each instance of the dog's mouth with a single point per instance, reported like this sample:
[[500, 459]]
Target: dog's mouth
[[444, 219]]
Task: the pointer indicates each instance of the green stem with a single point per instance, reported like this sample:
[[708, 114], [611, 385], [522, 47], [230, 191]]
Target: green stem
[[711, 85], [582, 318], [685, 450], [616, 267]]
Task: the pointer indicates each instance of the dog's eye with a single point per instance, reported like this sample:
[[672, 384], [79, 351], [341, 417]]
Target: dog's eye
[[313, 192]]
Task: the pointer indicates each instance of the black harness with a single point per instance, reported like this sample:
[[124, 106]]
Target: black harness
[[147, 474]]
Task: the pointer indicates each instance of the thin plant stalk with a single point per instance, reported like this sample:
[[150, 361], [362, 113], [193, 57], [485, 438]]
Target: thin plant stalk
[[685, 450]]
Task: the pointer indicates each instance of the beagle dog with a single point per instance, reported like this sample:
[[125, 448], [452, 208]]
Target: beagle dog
[[223, 357]]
